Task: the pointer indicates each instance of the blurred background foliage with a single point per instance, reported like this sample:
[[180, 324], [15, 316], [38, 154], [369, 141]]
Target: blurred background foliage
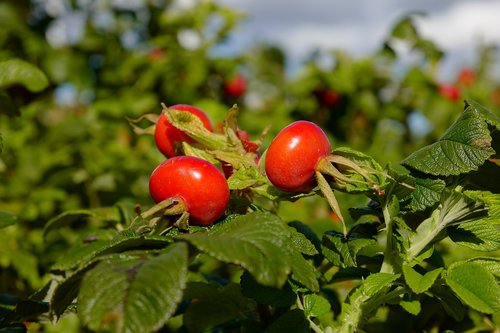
[[69, 146]]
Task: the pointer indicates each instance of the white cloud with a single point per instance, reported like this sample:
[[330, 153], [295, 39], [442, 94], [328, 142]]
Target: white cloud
[[463, 25], [360, 26]]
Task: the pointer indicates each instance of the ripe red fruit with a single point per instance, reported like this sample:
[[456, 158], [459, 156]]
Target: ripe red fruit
[[166, 135], [197, 183], [330, 98], [449, 92], [236, 86], [293, 155]]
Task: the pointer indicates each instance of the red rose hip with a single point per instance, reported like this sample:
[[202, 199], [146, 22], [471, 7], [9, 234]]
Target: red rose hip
[[200, 186], [294, 154], [166, 134]]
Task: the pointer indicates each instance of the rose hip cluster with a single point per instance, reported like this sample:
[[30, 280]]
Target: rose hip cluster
[[292, 163]]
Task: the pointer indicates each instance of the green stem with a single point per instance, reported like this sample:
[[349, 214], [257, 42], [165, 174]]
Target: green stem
[[416, 248], [388, 263], [351, 323]]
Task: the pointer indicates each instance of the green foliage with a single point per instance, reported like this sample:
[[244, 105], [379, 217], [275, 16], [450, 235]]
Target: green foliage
[[212, 306], [130, 295], [464, 147], [6, 219], [17, 71], [262, 244], [417, 282], [475, 285], [74, 180]]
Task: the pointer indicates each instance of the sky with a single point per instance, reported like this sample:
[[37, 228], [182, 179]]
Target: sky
[[359, 26]]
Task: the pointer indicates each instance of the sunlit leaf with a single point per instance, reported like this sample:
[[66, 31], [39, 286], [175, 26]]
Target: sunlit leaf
[[315, 305], [479, 235], [464, 147], [17, 71], [475, 285], [417, 282], [259, 242], [427, 193]]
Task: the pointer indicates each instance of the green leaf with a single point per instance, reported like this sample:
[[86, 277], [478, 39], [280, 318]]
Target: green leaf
[[405, 29], [7, 106], [212, 306], [302, 244], [7, 219], [411, 306], [17, 71], [67, 290], [488, 116], [479, 235], [256, 241], [490, 199], [133, 295], [342, 251], [315, 305], [403, 184], [427, 193], [417, 282], [292, 321], [377, 282], [283, 297], [464, 147], [490, 263], [84, 252], [65, 293], [67, 218], [475, 285], [313, 245], [303, 271], [244, 178]]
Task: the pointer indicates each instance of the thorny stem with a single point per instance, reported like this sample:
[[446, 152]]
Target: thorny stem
[[416, 248]]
